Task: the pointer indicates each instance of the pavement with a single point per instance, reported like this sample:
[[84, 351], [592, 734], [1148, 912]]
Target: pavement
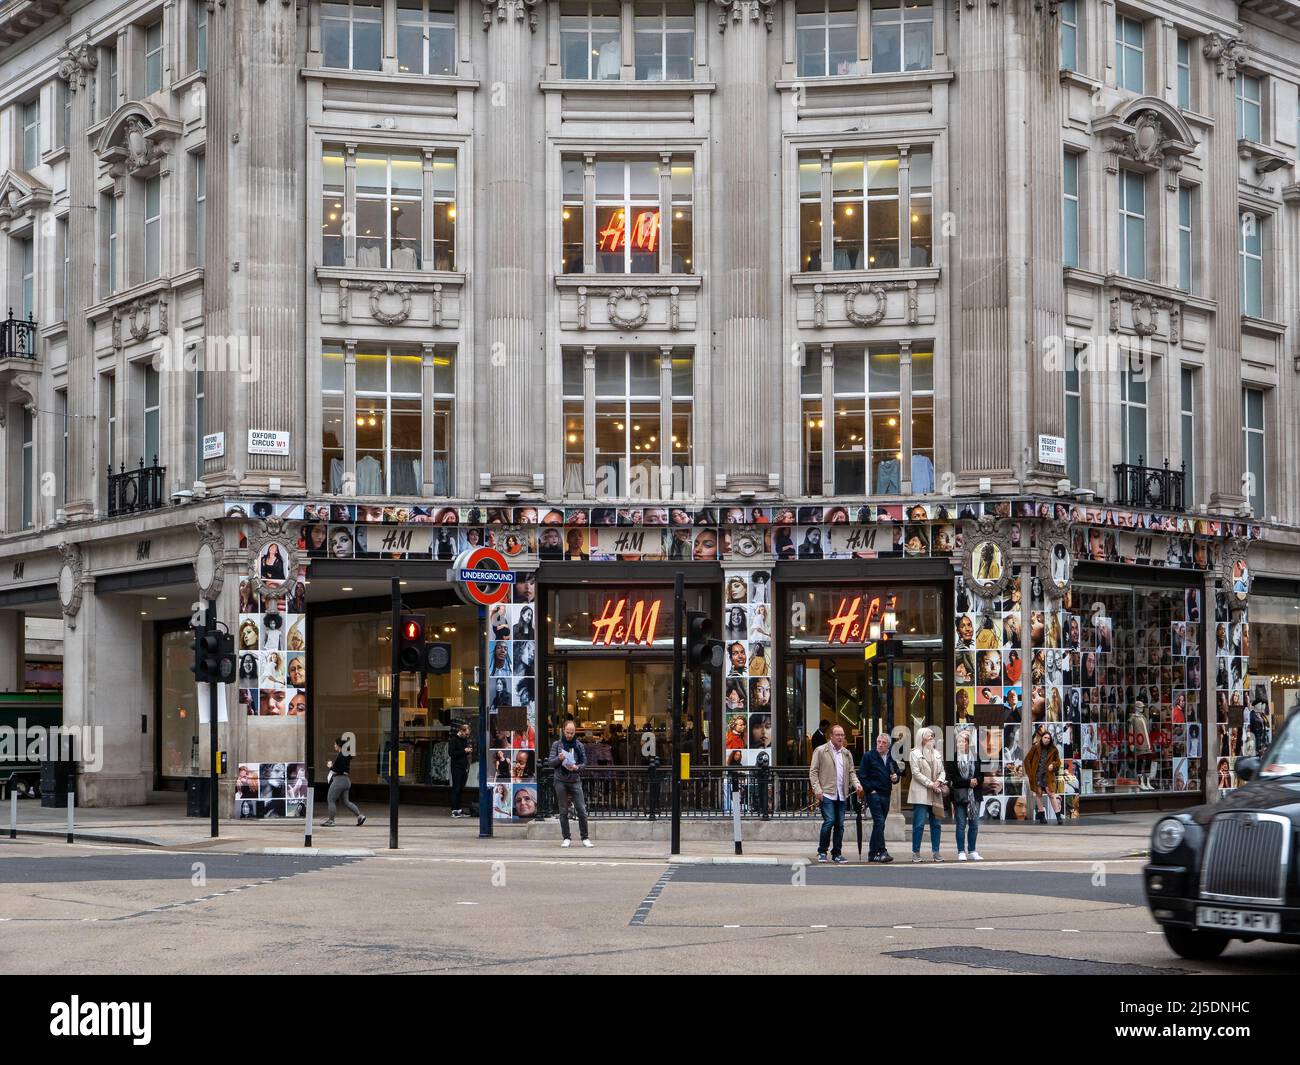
[[431, 831]]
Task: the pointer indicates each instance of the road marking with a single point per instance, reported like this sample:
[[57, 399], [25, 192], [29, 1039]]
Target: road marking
[[985, 928], [731, 926], [467, 904], [902, 926], [817, 926], [652, 896], [1069, 929]]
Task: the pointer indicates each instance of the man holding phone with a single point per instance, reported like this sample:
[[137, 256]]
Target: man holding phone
[[568, 758]]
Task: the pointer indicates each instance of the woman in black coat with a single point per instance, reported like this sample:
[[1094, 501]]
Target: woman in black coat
[[963, 772]]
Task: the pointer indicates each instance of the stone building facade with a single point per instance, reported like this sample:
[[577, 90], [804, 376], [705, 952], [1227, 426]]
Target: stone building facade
[[1026, 267]]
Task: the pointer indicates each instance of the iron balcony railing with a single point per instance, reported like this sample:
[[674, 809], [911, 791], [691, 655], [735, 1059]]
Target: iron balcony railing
[[1150, 486], [645, 793], [17, 337], [131, 491]]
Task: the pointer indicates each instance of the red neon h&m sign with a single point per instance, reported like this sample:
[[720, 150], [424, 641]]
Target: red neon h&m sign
[[644, 235], [618, 626], [850, 623]]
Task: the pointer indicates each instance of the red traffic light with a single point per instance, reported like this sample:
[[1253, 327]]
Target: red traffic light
[[410, 650], [412, 629]]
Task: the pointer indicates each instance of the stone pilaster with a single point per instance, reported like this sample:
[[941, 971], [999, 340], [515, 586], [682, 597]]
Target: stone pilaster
[[742, 196], [509, 170], [84, 473], [1224, 277]]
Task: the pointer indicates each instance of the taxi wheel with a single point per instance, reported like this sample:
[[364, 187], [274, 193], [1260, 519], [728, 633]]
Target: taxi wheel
[[1195, 945]]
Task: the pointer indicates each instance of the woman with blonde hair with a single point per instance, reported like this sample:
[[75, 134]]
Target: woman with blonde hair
[[926, 792]]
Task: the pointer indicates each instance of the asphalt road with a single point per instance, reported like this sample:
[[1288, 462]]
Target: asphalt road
[[85, 908]]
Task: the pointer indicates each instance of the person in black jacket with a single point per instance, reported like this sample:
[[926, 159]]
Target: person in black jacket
[[459, 750], [878, 774], [340, 785], [568, 758], [963, 774]]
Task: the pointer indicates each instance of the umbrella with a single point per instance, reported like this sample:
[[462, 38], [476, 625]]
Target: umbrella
[[857, 803]]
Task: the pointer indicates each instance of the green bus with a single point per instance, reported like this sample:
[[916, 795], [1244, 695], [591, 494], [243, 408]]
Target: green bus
[[20, 711]]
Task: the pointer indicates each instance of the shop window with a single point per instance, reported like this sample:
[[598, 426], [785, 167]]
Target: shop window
[[1274, 646], [589, 41], [879, 392], [826, 38], [1129, 54], [641, 424], [860, 210], [381, 225], [426, 37], [178, 710], [1252, 429], [351, 33], [388, 421], [902, 33], [1128, 687], [665, 40], [1250, 107], [1132, 224], [641, 208]]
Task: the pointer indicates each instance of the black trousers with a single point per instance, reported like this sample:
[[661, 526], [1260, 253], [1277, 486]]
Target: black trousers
[[459, 774]]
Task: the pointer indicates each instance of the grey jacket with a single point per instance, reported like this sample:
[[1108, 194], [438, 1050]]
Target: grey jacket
[[556, 760]]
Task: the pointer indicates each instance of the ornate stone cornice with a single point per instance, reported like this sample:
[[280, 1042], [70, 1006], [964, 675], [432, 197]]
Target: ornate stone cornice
[[1228, 54], [739, 11], [523, 9], [76, 65]]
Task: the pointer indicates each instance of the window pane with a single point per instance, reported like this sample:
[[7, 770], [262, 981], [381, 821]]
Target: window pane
[[922, 371], [884, 371], [572, 228], [611, 374], [571, 373], [850, 372], [333, 376], [406, 371], [643, 367], [372, 372]]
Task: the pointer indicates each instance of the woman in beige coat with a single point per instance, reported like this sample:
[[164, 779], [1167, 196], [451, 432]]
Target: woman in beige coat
[[926, 792]]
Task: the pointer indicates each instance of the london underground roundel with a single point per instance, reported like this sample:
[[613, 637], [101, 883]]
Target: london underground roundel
[[482, 576]]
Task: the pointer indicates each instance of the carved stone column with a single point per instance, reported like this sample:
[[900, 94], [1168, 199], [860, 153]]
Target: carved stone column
[[742, 185], [1226, 493], [510, 170], [84, 473]]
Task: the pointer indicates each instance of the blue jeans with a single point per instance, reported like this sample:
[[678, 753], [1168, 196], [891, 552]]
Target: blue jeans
[[967, 829], [879, 807], [832, 820], [920, 813]]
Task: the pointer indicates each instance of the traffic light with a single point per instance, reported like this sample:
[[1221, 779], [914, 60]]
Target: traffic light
[[702, 650], [214, 657], [437, 658], [410, 651]]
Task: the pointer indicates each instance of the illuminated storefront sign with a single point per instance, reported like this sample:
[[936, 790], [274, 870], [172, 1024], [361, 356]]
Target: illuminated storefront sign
[[645, 232], [850, 623], [618, 626]]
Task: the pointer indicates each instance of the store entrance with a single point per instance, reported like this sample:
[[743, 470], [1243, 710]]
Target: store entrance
[[623, 708], [865, 698]]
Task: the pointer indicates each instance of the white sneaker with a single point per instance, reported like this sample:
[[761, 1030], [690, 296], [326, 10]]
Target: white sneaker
[[961, 856], [567, 843], [975, 856], [587, 843]]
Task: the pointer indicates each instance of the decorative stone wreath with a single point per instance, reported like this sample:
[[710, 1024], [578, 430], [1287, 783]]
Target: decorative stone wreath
[[619, 296], [273, 531]]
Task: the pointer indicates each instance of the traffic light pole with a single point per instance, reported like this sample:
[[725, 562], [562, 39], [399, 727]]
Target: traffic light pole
[[210, 625], [679, 609], [395, 714]]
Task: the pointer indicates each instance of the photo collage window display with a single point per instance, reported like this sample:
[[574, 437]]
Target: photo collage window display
[[512, 704], [1135, 676], [1241, 702], [271, 653], [271, 789], [747, 718]]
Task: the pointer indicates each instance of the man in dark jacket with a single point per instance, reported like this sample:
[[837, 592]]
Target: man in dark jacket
[[568, 758], [878, 773], [459, 751]]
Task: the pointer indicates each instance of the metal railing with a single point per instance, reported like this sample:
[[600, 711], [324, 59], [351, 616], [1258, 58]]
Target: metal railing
[[17, 337], [645, 793], [1150, 486], [131, 491]]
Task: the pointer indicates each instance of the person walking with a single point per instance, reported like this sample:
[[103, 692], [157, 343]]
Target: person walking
[[459, 751], [340, 785], [967, 790], [568, 757], [832, 777], [1043, 772], [878, 773], [926, 792]]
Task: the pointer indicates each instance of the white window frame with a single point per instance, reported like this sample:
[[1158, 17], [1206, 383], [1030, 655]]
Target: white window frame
[[1069, 14], [1183, 75], [27, 273], [151, 424], [151, 70], [1128, 54], [1186, 237], [65, 255], [1128, 216], [374, 398], [1074, 453], [1070, 207], [1250, 249], [392, 198], [650, 21], [582, 23], [815, 17], [905, 14], [433, 18], [31, 123], [1250, 107], [358, 14], [1135, 452], [198, 43], [153, 265], [28, 479], [199, 232], [110, 241], [1255, 478], [1187, 428], [200, 409]]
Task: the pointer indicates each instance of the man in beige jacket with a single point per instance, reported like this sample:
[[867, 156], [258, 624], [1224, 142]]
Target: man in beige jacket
[[832, 776]]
